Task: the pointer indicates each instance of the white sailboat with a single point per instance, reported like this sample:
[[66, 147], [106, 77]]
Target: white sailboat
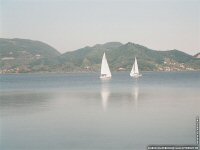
[[135, 71], [105, 70]]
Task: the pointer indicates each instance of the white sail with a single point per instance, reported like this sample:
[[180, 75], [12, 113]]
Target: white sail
[[105, 70], [135, 70]]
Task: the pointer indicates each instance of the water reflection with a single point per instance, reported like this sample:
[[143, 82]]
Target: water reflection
[[17, 103], [105, 94], [135, 95], [72, 117]]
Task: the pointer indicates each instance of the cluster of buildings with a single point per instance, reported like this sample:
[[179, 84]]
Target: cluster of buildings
[[170, 65], [11, 70]]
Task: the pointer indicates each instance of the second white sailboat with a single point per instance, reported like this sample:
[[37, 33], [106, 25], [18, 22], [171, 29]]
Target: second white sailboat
[[135, 71]]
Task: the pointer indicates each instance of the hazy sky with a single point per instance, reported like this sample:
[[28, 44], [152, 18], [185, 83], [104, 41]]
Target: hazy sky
[[71, 24]]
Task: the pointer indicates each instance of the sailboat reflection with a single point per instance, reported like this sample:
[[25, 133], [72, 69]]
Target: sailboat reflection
[[135, 95], [105, 93]]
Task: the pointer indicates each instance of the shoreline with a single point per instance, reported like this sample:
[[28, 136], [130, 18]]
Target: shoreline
[[84, 72]]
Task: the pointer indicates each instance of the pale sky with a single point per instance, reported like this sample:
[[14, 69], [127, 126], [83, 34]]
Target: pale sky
[[71, 24]]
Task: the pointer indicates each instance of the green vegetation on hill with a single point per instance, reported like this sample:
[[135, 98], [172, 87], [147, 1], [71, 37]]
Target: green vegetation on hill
[[16, 55], [122, 56], [16, 47], [20, 55]]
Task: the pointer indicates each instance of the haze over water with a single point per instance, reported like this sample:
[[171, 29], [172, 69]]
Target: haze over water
[[81, 112]]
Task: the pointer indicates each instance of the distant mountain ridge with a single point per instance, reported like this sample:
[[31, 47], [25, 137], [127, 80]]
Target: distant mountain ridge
[[16, 55], [122, 56], [35, 56], [16, 46]]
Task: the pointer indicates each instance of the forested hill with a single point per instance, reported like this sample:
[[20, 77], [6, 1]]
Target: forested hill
[[21, 55]]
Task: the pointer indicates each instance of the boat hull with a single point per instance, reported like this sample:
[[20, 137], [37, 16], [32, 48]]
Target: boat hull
[[135, 75], [104, 78]]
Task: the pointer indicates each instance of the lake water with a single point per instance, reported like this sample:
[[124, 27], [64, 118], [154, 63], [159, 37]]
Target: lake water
[[81, 112]]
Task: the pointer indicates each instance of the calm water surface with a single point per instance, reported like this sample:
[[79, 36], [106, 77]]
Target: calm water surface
[[80, 112]]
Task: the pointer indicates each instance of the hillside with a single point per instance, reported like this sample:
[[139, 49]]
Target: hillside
[[19, 55], [120, 57], [19, 46]]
